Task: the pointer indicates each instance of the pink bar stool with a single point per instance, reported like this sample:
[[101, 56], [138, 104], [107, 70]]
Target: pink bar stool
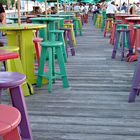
[[9, 120]]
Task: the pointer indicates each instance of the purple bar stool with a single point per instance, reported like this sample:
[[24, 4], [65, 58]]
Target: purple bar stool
[[136, 81], [122, 33], [68, 38], [13, 81]]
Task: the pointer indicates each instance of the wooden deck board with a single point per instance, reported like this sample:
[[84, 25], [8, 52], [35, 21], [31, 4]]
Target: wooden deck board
[[95, 106]]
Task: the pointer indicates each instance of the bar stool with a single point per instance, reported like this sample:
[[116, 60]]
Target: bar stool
[[13, 82], [135, 43], [60, 37], [125, 34], [11, 56], [108, 25], [69, 25], [99, 21], [68, 40], [104, 19], [77, 25], [48, 48], [113, 31], [135, 82], [10, 118]]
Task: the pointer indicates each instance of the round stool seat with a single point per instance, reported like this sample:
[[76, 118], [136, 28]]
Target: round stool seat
[[9, 118], [56, 31], [118, 20], [10, 48], [11, 79], [66, 29], [123, 25], [137, 26], [37, 39], [123, 30], [4, 55], [51, 43]]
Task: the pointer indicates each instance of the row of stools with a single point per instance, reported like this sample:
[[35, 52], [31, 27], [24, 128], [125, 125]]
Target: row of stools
[[120, 38], [50, 50], [12, 117]]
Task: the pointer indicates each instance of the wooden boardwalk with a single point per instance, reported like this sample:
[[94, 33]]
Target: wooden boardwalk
[[95, 106]]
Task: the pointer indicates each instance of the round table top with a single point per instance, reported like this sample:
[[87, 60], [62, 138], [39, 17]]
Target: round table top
[[46, 19], [15, 27], [133, 18], [16, 18], [56, 15]]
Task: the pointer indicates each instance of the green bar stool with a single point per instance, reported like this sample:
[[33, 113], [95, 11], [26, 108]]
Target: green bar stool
[[122, 26], [94, 19], [60, 37], [77, 26], [104, 19], [48, 48]]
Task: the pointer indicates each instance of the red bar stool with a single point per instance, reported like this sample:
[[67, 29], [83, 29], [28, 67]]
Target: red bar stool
[[108, 25], [37, 42], [68, 21], [135, 43], [15, 65], [9, 120]]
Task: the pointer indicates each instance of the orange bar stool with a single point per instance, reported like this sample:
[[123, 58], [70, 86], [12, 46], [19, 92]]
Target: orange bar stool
[[10, 118], [108, 25]]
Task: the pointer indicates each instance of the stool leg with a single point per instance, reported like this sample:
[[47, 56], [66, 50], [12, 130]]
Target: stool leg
[[80, 28], [129, 43], [41, 66], [12, 135], [105, 29], [71, 44], [18, 101], [50, 71], [115, 45], [123, 44], [135, 83], [75, 28], [62, 67], [61, 38], [66, 41]]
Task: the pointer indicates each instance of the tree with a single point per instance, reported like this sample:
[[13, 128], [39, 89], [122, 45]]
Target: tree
[[8, 3]]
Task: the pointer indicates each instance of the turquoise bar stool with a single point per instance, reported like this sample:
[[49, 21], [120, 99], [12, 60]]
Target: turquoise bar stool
[[48, 48], [60, 37], [77, 26]]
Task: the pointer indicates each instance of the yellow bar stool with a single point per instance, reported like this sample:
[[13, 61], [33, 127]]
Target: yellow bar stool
[[15, 65], [99, 21], [70, 25]]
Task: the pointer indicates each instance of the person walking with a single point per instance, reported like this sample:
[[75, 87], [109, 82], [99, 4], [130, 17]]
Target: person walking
[[111, 10]]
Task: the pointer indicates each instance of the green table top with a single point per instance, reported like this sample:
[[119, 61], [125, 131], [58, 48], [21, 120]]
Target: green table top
[[46, 19], [12, 27], [16, 18]]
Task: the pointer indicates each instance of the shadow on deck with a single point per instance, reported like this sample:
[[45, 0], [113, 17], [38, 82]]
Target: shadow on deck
[[95, 106]]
